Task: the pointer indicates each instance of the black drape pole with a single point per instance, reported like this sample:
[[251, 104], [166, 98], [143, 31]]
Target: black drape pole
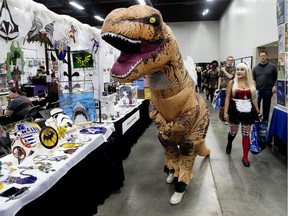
[[69, 69], [46, 59]]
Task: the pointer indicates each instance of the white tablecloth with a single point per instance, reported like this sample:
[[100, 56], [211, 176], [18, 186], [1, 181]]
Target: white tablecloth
[[45, 180]]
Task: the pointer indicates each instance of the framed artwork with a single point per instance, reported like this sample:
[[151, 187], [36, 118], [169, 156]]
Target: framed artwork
[[248, 61], [76, 100], [237, 61]]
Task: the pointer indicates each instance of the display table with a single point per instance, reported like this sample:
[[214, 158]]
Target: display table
[[97, 173], [129, 128], [278, 128], [46, 181]]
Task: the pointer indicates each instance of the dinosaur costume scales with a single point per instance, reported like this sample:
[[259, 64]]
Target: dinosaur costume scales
[[148, 47]]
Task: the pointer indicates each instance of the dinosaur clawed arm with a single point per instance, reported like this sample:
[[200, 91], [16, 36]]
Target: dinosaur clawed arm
[[156, 116], [178, 128], [172, 130], [182, 123]]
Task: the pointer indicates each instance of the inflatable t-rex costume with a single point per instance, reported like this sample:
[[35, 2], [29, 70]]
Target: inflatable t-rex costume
[[148, 47]]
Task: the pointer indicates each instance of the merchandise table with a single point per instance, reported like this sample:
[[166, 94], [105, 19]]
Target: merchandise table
[[46, 181], [71, 194], [128, 129], [278, 127]]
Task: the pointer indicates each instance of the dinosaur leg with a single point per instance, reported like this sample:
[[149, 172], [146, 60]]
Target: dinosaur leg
[[186, 161], [172, 154], [189, 150], [172, 158]]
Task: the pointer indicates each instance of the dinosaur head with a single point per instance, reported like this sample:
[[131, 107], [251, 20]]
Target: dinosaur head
[[143, 39]]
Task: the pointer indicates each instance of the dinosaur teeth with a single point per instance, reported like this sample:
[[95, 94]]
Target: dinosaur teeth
[[121, 37], [130, 70]]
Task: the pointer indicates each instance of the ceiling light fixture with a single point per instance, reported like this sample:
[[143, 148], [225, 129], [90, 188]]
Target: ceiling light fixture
[[99, 18], [141, 2], [76, 5], [205, 12]]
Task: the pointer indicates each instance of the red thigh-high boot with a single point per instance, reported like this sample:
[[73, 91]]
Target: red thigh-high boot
[[245, 145]]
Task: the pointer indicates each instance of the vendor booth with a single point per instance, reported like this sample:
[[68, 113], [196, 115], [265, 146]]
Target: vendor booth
[[277, 134], [39, 178]]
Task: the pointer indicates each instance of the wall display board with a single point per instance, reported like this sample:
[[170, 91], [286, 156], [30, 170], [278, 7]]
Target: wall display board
[[76, 95], [237, 61], [282, 22], [278, 125], [248, 61]]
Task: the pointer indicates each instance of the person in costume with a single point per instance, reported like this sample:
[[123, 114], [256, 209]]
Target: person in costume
[[241, 107], [149, 48], [227, 73]]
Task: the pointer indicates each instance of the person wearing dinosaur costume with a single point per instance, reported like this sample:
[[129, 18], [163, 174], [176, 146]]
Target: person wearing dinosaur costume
[[148, 47]]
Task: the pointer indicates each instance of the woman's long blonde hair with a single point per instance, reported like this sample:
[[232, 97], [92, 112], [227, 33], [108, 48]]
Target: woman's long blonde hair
[[249, 79]]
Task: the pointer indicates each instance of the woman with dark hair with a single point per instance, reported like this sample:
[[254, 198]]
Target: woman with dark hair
[[205, 74], [18, 105], [213, 76]]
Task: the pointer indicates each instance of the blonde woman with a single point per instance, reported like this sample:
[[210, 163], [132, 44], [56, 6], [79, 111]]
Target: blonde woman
[[241, 107]]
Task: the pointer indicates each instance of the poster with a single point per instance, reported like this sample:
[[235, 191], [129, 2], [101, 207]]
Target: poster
[[281, 95], [281, 66], [76, 100], [280, 12], [282, 78], [82, 59]]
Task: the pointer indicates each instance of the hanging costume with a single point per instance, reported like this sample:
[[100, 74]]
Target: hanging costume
[[148, 47]]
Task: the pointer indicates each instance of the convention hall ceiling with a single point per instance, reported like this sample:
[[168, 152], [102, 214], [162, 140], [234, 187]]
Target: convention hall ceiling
[[172, 10]]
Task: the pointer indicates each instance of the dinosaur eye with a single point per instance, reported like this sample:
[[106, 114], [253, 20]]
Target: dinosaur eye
[[152, 20]]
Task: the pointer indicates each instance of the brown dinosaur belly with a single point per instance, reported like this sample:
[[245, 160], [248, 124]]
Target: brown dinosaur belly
[[177, 105]]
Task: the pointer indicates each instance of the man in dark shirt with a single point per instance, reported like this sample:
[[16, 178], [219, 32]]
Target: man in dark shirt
[[18, 105], [265, 76]]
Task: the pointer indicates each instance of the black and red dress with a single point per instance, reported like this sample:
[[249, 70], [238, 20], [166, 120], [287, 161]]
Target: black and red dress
[[241, 109]]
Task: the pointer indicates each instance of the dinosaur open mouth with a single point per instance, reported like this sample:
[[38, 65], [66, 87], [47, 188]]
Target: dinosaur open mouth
[[132, 53]]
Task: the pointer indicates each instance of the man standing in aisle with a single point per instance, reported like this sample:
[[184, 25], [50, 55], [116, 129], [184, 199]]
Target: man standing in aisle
[[226, 73], [265, 76]]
